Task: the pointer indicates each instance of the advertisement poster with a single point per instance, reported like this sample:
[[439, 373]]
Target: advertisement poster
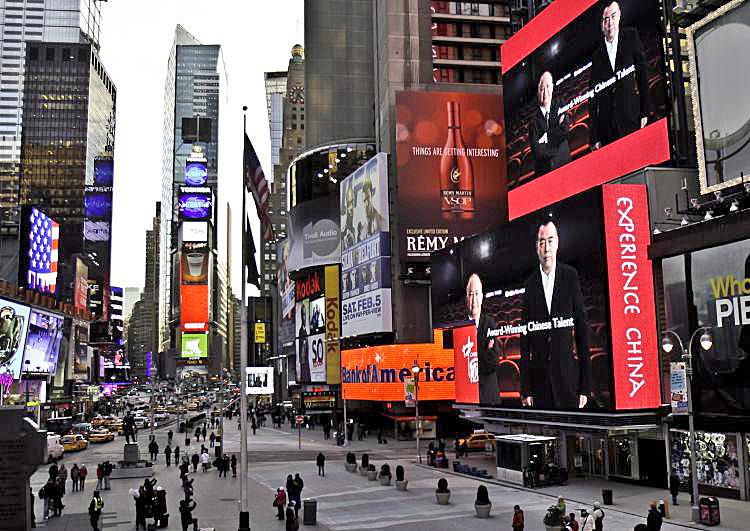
[[194, 307], [310, 327], [42, 250], [81, 290], [678, 388], [194, 263], [14, 323], [104, 169], [97, 203], [466, 360], [332, 312], [259, 380], [42, 343], [286, 296], [365, 250], [194, 346], [81, 363], [96, 231], [314, 234], [380, 373], [577, 115], [196, 173], [195, 231], [450, 158], [409, 392], [195, 203]]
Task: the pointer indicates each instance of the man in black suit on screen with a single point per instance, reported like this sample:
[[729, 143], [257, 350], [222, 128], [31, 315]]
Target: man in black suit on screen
[[548, 132], [551, 378], [618, 107], [487, 348]]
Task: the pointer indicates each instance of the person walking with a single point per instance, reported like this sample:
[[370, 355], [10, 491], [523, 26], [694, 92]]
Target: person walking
[[587, 521], [99, 475], [153, 449], [75, 475], [95, 510], [654, 518], [197, 434], [187, 487], [225, 464], [139, 498], [561, 505], [186, 515], [674, 487], [170, 434], [234, 465], [195, 460], [254, 426], [572, 522], [292, 522], [107, 473], [168, 455], [212, 438], [203, 432], [62, 476], [518, 521], [53, 470], [176, 455], [45, 494], [82, 473], [205, 461], [59, 493], [279, 502], [321, 462], [598, 515], [298, 486]]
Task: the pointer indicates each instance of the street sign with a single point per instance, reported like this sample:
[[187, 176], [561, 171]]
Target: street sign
[[300, 419]]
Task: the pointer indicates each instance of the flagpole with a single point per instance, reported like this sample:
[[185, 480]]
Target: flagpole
[[244, 514]]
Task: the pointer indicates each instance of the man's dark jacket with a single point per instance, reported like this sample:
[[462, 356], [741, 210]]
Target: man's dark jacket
[[556, 151]]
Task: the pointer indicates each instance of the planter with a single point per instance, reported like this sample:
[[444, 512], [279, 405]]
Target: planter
[[483, 511], [385, 480], [362, 471], [372, 475], [443, 497], [401, 485], [351, 467]]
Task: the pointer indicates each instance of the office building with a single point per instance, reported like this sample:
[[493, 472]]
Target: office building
[[275, 92]]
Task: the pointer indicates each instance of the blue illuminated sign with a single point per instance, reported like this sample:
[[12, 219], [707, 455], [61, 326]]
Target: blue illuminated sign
[[196, 173], [195, 206], [97, 205], [103, 172]]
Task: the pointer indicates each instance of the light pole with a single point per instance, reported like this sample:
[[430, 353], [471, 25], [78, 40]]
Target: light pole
[[28, 364], [244, 524], [416, 370], [667, 344]]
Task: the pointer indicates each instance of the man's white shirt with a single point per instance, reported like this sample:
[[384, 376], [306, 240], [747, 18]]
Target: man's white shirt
[[612, 50], [548, 285]]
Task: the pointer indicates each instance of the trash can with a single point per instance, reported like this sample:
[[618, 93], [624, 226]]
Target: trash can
[[710, 514], [607, 496], [310, 516]]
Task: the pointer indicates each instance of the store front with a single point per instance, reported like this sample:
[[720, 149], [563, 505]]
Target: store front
[[718, 462]]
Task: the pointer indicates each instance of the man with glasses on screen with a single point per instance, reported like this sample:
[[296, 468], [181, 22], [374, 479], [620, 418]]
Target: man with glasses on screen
[[619, 79], [487, 348], [548, 130]]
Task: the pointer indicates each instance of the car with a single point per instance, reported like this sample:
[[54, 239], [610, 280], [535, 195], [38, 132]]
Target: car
[[141, 422], [101, 436], [102, 421], [117, 427], [55, 450], [161, 416], [479, 441], [74, 443]]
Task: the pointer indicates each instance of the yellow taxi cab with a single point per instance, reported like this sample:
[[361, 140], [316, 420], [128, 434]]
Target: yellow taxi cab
[[103, 421], [74, 443], [479, 440], [117, 427], [101, 436]]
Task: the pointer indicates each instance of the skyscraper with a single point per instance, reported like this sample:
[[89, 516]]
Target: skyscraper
[[275, 91]]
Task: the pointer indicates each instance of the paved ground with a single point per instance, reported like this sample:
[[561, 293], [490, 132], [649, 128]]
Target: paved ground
[[345, 501]]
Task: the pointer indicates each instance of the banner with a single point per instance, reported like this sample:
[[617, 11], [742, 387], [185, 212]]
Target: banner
[[194, 308], [260, 332], [194, 346], [259, 380], [333, 325], [450, 158], [678, 389], [81, 289], [409, 392], [286, 298], [314, 234], [466, 361]]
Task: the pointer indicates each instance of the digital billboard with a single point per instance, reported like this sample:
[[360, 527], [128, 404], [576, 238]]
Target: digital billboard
[[96, 231], [81, 289], [314, 233], [310, 327], [196, 173], [365, 250], [450, 153], [194, 231], [332, 312], [97, 203], [195, 203], [41, 246], [14, 323], [259, 380], [559, 306], [82, 358], [194, 307], [379, 373], [585, 99], [195, 263], [286, 300], [194, 346], [104, 169], [43, 339], [720, 105]]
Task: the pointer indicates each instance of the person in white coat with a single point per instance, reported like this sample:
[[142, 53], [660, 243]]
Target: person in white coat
[[587, 521]]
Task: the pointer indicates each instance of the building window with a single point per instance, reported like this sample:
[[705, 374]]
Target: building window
[[34, 53], [50, 54], [66, 54], [83, 55]]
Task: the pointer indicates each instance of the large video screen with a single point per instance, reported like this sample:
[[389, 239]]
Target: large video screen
[[286, 331], [582, 78], [42, 343], [97, 203], [42, 249], [194, 203], [14, 323], [310, 327], [451, 172], [560, 319], [314, 233]]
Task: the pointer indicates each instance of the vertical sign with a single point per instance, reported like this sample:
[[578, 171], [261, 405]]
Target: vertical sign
[[333, 325], [410, 395], [678, 387], [635, 357], [466, 362]]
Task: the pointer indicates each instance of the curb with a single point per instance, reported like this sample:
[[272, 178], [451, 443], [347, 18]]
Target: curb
[[552, 496]]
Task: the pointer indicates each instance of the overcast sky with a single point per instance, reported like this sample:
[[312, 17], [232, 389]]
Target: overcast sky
[[136, 39]]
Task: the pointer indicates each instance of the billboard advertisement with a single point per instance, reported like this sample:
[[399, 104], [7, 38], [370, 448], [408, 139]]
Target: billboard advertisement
[[14, 323], [259, 380], [450, 153], [195, 203], [81, 358], [585, 99], [81, 288], [40, 244], [104, 171], [332, 312], [194, 231], [365, 250], [194, 307], [194, 346], [96, 231], [286, 295], [310, 327], [42, 343], [314, 234], [379, 373], [196, 173], [97, 203], [720, 105], [194, 263], [559, 304]]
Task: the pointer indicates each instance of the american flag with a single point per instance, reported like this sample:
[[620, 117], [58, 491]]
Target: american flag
[[44, 238], [255, 181]]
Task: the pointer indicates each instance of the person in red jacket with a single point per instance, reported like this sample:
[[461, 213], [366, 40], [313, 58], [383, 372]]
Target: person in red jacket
[[517, 518], [280, 502]]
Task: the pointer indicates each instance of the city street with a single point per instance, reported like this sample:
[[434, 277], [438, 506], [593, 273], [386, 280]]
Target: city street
[[346, 501]]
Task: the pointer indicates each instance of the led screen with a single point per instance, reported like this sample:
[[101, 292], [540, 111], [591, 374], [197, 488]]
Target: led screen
[[195, 346], [97, 204], [104, 172], [195, 205], [42, 343], [42, 248], [14, 323], [196, 173]]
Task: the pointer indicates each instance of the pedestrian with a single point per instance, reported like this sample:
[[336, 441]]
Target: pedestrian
[[674, 487], [82, 473], [225, 464], [572, 522], [53, 470], [59, 493], [95, 510], [187, 487], [234, 465], [205, 461], [587, 521], [321, 462], [279, 502], [62, 476], [75, 474], [598, 515], [107, 473], [186, 514], [31, 508], [203, 432], [45, 495], [195, 460], [153, 449], [187, 438], [298, 486], [99, 475], [254, 426], [212, 438], [170, 434], [654, 519], [176, 455], [518, 521], [168, 455], [140, 510], [561, 505], [160, 508], [197, 434], [292, 522]]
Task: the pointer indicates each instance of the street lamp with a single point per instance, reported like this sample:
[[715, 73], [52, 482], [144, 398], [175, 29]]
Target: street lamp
[[706, 342], [28, 364], [415, 370]]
